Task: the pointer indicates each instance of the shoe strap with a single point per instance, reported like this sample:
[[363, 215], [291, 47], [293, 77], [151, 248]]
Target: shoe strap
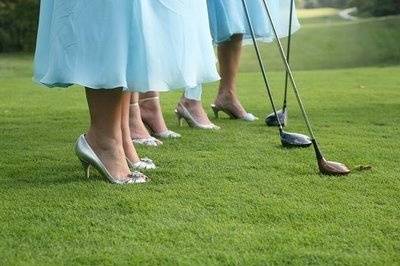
[[156, 98]]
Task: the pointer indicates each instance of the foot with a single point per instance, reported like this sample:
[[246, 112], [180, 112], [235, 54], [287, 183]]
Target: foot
[[153, 119], [196, 109], [130, 151], [151, 113], [142, 164], [133, 159], [111, 154], [138, 131], [230, 102]]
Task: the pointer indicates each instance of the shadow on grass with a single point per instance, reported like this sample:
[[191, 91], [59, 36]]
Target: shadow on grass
[[70, 177]]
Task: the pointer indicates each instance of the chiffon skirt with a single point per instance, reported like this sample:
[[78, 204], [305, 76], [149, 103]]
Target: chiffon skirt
[[139, 45], [228, 18]]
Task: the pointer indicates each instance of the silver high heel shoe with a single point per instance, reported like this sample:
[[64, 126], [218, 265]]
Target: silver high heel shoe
[[168, 134], [183, 113], [143, 164], [150, 141], [88, 158], [247, 117]]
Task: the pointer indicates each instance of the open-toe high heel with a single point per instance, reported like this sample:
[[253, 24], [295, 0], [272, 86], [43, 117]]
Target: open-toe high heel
[[142, 164]]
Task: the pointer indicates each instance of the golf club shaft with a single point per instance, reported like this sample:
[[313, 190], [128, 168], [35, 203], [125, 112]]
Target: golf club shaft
[[267, 86], [289, 44], [289, 70]]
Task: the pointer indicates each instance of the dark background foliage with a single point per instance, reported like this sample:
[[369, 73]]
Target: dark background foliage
[[366, 7], [18, 25], [377, 7], [18, 18], [322, 3]]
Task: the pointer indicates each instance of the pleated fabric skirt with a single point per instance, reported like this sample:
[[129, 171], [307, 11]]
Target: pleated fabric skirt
[[139, 45], [227, 18]]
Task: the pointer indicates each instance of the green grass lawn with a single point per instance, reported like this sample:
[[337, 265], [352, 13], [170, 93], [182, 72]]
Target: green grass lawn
[[334, 43], [229, 197], [319, 15]]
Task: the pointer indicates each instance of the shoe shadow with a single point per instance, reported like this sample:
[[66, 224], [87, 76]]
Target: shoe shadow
[[36, 180], [18, 183]]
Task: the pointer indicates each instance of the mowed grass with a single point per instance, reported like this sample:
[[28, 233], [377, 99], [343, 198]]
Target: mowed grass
[[229, 197], [319, 15], [330, 42]]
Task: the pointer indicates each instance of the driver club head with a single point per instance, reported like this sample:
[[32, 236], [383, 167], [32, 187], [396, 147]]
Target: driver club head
[[272, 121], [332, 168], [295, 140]]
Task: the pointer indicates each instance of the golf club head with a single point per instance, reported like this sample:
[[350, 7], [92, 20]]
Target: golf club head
[[332, 168], [295, 140], [272, 121]]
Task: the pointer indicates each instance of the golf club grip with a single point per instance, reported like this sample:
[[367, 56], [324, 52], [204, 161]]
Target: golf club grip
[[260, 61], [290, 30], [289, 70], [289, 45]]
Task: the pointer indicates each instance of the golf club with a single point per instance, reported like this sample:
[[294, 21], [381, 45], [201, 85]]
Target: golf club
[[288, 139], [325, 167], [271, 119]]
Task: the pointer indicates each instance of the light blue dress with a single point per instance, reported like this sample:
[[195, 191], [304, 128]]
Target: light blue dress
[[227, 18], [139, 45]]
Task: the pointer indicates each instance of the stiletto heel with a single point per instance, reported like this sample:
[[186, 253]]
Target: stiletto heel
[[183, 113], [215, 110], [179, 117], [89, 158], [86, 168]]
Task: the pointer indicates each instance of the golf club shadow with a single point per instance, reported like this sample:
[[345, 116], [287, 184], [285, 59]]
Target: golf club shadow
[[294, 147], [282, 147]]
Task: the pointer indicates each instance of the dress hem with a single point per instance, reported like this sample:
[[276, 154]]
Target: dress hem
[[124, 86], [247, 37]]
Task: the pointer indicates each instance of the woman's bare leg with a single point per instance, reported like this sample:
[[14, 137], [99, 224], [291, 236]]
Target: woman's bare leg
[[137, 129], [151, 111], [129, 149], [191, 100], [104, 134], [229, 54], [196, 109]]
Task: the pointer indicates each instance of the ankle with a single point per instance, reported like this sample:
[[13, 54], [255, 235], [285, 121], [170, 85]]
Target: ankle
[[149, 103], [226, 93], [189, 103], [137, 129], [135, 118], [130, 151], [101, 141], [150, 111], [135, 123]]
